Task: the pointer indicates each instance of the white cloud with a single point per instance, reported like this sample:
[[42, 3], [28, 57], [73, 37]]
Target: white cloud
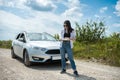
[[97, 16], [103, 9], [116, 25], [74, 10], [41, 5], [1, 2], [73, 3], [43, 18], [13, 3], [117, 7], [42, 22]]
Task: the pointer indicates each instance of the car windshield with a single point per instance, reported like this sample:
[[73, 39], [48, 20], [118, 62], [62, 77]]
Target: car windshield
[[40, 37]]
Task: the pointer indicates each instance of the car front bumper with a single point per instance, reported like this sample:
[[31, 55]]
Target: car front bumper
[[43, 57]]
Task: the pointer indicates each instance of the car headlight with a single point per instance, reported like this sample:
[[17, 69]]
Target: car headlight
[[43, 49], [39, 48]]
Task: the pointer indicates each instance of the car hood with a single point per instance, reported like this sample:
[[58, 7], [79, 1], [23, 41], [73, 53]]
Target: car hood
[[45, 44]]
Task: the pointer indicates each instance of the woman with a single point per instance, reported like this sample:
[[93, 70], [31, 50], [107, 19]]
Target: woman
[[67, 36]]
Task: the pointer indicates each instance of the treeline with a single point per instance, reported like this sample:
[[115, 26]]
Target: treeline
[[92, 43], [90, 32], [5, 44]]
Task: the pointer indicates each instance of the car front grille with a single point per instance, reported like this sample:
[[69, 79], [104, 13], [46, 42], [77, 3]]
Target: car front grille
[[56, 51]]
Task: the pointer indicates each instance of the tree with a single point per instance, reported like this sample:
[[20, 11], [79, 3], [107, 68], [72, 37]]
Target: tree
[[90, 32], [115, 35], [56, 36]]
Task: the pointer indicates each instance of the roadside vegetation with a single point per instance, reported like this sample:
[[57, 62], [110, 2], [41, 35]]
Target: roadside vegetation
[[92, 43], [105, 51], [5, 44]]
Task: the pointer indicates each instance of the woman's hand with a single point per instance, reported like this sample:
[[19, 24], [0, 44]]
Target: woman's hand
[[65, 39]]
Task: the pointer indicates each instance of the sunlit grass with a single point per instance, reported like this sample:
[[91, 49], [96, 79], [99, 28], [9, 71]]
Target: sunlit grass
[[5, 44], [106, 51]]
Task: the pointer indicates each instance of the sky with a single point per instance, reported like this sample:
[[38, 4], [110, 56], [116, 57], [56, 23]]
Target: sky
[[48, 15]]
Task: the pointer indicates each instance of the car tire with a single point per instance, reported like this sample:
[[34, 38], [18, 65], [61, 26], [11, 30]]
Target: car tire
[[13, 54], [26, 59]]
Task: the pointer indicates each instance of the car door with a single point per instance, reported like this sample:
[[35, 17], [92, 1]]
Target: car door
[[22, 42], [16, 44]]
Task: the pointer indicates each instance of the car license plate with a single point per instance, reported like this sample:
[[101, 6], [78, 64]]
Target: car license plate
[[56, 57]]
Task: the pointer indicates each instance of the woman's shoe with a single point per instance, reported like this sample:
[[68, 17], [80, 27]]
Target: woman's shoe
[[76, 73], [63, 71]]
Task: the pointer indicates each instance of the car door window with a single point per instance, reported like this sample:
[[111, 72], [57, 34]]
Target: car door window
[[18, 36], [22, 36]]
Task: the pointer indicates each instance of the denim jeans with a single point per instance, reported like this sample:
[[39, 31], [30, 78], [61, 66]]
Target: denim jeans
[[66, 47]]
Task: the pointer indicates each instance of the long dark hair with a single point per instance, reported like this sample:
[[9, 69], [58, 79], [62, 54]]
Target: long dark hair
[[70, 29]]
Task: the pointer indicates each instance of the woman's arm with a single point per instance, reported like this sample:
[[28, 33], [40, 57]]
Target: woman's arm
[[73, 36]]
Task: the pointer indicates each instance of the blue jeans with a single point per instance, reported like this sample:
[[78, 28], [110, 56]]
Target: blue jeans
[[66, 47]]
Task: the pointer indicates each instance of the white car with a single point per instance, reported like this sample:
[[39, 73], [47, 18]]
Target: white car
[[36, 47]]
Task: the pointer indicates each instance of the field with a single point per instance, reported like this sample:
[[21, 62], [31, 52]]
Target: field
[[107, 51]]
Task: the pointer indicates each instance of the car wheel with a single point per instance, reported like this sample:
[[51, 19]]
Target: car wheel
[[13, 54], [26, 59]]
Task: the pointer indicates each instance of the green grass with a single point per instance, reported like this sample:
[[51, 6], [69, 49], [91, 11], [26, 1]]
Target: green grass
[[6, 44], [108, 51]]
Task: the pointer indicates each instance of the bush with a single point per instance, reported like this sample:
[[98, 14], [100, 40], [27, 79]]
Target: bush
[[90, 32], [91, 43], [106, 51], [56, 36], [5, 44]]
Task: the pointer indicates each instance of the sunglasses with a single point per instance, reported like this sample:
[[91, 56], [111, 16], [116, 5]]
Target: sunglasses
[[65, 25]]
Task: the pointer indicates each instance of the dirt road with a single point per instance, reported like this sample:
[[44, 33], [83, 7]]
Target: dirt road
[[14, 69]]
